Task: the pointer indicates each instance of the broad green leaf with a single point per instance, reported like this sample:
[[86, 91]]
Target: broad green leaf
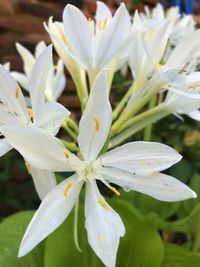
[[146, 204], [177, 256], [140, 246], [60, 249], [11, 232], [187, 205]]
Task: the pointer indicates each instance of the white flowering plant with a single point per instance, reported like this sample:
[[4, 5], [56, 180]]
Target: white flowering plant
[[105, 198]]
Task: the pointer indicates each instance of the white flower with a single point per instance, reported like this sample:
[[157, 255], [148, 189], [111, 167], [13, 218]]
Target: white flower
[[56, 81], [47, 116], [182, 25], [92, 45], [135, 165], [185, 99]]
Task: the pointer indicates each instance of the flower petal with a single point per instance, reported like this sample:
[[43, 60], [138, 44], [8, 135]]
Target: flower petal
[[195, 115], [52, 212], [79, 33], [113, 37], [27, 57], [102, 12], [11, 94], [52, 116], [40, 47], [21, 79], [44, 181], [38, 78], [158, 185], [5, 147], [96, 120], [104, 226], [39, 148], [177, 59], [141, 157]]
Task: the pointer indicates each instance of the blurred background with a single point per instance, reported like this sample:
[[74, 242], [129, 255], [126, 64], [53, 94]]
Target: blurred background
[[22, 21]]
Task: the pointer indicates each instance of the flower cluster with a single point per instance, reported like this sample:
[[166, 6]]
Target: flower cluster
[[157, 49]]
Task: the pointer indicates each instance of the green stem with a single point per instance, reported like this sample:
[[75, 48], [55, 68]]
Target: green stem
[[79, 79], [69, 131], [122, 103], [138, 123], [132, 111], [196, 242], [92, 76], [149, 129], [70, 145], [72, 124], [76, 226]]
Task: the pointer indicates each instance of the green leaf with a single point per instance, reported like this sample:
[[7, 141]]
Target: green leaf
[[146, 204], [176, 256], [187, 205], [141, 245], [60, 250], [11, 232]]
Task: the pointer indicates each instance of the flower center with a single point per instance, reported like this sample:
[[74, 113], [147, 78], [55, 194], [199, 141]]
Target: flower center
[[89, 170]]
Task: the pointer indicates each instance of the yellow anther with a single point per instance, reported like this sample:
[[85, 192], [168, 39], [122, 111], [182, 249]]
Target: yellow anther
[[102, 24], [66, 153], [113, 189], [103, 203], [97, 124], [31, 113], [28, 167], [68, 186], [17, 92]]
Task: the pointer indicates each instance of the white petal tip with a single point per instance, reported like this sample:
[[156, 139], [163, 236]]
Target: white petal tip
[[193, 194], [21, 253]]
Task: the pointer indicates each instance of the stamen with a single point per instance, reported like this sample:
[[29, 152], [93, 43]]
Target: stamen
[[102, 24], [97, 124], [113, 189], [31, 113], [17, 92], [68, 186], [66, 153], [28, 167], [103, 203]]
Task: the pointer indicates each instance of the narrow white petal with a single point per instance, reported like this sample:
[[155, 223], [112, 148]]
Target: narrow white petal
[[195, 115], [38, 78], [40, 47], [52, 116], [141, 157], [21, 79], [113, 37], [39, 148], [96, 120], [4, 147], [27, 57], [11, 94], [44, 181], [102, 12], [6, 117], [158, 185], [78, 32], [104, 226], [177, 59], [52, 212]]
